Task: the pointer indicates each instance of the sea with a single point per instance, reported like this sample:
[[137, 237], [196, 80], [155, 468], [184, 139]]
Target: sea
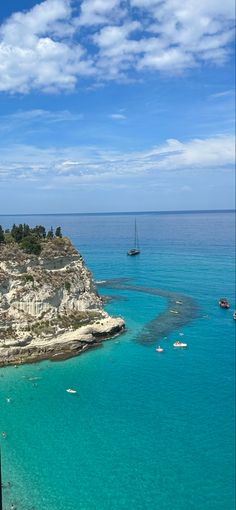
[[145, 430]]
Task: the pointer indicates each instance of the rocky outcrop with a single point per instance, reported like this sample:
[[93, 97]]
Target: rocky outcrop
[[49, 305]]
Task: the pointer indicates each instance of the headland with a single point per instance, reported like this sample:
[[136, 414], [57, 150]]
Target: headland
[[49, 304]]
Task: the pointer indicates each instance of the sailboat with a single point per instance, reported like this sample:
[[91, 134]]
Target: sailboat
[[135, 250]]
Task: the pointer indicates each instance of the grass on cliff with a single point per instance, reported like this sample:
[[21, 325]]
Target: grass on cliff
[[72, 320], [45, 248]]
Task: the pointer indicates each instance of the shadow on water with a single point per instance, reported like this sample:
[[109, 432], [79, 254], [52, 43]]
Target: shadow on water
[[180, 310]]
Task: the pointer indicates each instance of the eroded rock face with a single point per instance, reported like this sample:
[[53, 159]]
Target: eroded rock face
[[43, 298]]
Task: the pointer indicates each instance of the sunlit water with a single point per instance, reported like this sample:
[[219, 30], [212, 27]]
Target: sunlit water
[[145, 430]]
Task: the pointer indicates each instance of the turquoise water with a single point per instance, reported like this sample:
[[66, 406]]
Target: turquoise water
[[146, 430]]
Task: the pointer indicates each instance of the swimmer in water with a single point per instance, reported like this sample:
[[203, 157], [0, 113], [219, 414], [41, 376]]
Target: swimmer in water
[[4, 435]]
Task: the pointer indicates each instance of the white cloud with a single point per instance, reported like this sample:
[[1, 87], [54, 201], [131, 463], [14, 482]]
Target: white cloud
[[56, 43], [33, 121], [34, 53], [91, 165], [117, 116], [220, 95], [214, 152], [96, 12], [38, 115]]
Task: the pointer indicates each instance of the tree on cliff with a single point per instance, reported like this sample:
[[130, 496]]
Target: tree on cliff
[[18, 232], [50, 234], [2, 238], [26, 230], [58, 232], [39, 231]]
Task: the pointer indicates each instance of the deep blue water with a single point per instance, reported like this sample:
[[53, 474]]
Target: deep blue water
[[147, 430]]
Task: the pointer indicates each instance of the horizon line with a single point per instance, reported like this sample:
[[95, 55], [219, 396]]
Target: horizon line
[[117, 213]]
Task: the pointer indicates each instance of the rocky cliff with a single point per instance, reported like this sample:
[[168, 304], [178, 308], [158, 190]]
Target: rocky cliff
[[49, 306]]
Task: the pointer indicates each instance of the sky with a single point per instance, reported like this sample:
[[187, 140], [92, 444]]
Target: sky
[[116, 105]]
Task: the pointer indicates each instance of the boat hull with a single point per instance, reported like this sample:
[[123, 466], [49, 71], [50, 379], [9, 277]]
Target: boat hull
[[224, 305], [134, 252]]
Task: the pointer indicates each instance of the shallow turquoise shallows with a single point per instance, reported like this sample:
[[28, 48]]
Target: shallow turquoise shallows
[[146, 430]]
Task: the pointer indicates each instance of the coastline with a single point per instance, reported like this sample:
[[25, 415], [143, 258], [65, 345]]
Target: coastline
[[67, 345]]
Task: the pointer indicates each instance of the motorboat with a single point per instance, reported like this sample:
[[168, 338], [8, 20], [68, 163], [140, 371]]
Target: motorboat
[[234, 315], [69, 390], [179, 344], [223, 303], [159, 349]]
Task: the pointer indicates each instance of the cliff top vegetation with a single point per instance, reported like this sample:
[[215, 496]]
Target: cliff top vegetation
[[34, 241]]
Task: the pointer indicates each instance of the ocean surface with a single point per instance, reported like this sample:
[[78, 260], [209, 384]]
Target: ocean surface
[[146, 430]]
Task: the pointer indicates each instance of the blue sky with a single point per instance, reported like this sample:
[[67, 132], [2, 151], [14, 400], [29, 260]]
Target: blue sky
[[110, 105]]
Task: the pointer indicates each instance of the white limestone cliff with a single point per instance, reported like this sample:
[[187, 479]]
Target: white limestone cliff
[[49, 304]]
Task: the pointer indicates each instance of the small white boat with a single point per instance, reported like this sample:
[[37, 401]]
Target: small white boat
[[173, 311], [159, 349], [180, 344], [69, 390]]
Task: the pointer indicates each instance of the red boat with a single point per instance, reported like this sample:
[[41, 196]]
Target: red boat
[[224, 303]]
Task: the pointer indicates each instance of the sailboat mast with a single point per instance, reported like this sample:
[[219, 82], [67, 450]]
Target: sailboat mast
[[135, 250], [136, 243]]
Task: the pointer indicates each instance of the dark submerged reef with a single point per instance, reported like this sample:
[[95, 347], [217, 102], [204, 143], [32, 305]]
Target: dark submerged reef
[[181, 310]]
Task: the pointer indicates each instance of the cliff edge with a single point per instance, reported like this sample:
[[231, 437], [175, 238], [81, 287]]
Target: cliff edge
[[49, 306]]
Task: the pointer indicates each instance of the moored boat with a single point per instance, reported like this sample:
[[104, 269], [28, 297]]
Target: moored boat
[[223, 303], [179, 344], [159, 349], [136, 249], [69, 390]]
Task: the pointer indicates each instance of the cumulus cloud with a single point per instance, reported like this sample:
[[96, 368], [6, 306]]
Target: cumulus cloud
[[59, 42], [98, 12], [36, 52], [214, 152], [90, 165]]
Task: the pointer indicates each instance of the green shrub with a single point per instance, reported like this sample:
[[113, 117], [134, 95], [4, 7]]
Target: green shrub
[[28, 278], [67, 286], [8, 238], [31, 244]]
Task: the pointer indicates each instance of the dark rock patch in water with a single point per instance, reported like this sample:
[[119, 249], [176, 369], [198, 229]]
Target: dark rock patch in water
[[180, 310]]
